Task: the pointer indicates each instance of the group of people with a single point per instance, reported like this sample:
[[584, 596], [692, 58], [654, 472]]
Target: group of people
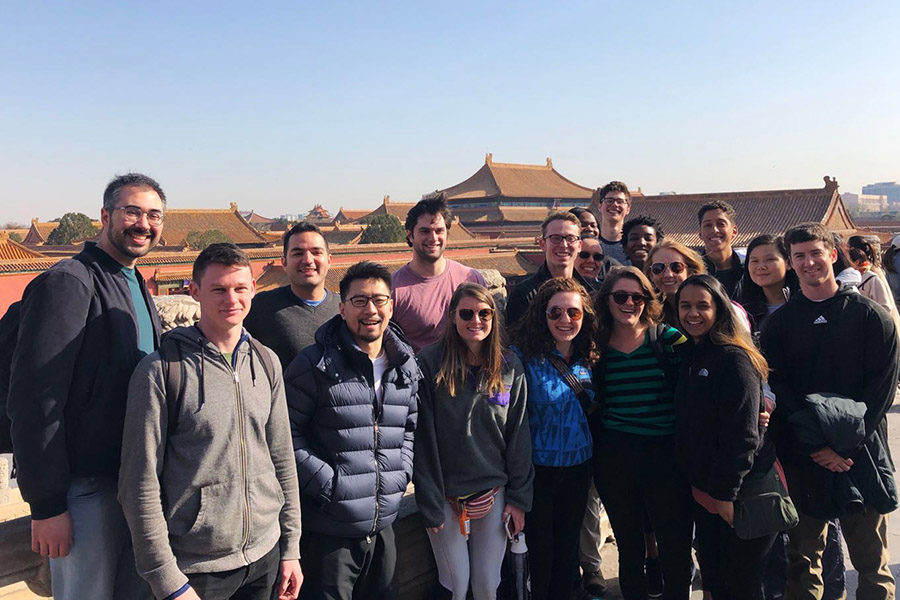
[[629, 375]]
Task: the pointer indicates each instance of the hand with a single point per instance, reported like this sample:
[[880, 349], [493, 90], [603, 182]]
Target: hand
[[831, 460], [764, 419], [291, 579], [769, 405], [189, 594], [52, 537], [436, 529], [726, 511], [518, 518]]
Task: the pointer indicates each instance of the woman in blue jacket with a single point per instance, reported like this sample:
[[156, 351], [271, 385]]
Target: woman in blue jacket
[[556, 338]]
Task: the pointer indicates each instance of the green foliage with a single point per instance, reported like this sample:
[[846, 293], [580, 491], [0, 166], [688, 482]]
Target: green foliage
[[383, 229], [73, 227], [199, 240], [15, 236]]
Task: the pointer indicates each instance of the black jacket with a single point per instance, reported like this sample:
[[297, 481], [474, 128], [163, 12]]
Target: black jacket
[[525, 290], [839, 423], [846, 345], [76, 350], [730, 278], [717, 431], [354, 454]]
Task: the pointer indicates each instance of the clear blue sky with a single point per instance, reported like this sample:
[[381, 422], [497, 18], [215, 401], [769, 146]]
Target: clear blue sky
[[279, 105]]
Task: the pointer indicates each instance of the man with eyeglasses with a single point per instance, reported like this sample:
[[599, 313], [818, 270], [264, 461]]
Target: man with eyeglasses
[[614, 204], [561, 243], [86, 323], [352, 398]]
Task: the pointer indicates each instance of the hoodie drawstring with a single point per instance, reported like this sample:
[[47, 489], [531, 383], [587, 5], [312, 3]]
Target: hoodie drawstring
[[202, 360]]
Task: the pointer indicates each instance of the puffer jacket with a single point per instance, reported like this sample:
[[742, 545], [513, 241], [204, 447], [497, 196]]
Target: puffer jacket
[[354, 454]]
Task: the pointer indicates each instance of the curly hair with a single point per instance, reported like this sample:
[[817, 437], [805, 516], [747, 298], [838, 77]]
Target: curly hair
[[532, 334], [651, 315]]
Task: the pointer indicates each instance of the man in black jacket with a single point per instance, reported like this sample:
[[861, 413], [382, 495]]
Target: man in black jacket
[[352, 401], [832, 341], [84, 325]]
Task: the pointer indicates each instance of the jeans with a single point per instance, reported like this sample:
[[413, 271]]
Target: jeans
[[833, 572], [553, 526], [732, 568], [634, 473], [100, 563], [256, 581], [336, 568]]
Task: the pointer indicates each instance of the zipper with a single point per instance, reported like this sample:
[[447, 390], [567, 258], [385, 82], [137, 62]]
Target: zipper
[[376, 414], [244, 469]]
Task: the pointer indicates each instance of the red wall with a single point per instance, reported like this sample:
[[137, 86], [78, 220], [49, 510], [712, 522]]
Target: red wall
[[11, 288]]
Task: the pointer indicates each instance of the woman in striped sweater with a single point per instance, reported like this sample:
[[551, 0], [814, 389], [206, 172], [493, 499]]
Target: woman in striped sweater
[[634, 451]]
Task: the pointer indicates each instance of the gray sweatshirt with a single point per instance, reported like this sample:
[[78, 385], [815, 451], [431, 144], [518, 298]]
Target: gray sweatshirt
[[217, 489], [470, 442]]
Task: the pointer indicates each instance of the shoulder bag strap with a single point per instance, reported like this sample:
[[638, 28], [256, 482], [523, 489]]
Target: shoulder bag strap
[[573, 382]]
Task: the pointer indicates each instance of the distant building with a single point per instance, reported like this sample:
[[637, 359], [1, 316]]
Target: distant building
[[345, 216], [318, 215], [866, 202], [886, 188], [258, 221], [39, 231]]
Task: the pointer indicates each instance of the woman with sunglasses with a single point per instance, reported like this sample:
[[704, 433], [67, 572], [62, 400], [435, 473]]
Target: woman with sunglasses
[[590, 262], [634, 450], [668, 264], [720, 440], [555, 340], [473, 471]]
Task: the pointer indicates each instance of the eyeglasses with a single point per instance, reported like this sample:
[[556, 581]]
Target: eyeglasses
[[584, 255], [617, 201], [133, 214], [622, 298], [675, 267], [467, 314], [378, 300], [556, 312], [557, 239]]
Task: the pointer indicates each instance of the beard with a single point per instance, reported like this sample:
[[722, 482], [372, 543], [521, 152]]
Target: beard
[[428, 257], [119, 241]]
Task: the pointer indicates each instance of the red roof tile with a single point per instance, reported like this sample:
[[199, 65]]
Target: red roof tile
[[516, 181]]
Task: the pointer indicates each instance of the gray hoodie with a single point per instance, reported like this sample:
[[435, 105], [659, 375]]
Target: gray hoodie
[[217, 490]]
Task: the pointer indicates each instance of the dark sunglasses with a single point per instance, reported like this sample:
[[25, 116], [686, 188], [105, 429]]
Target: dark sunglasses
[[622, 298], [584, 255], [659, 268], [467, 314], [556, 312]]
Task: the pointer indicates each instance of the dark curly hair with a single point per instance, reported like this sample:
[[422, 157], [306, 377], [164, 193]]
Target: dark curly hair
[[532, 334]]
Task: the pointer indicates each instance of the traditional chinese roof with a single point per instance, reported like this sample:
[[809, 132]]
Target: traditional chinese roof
[[758, 212], [349, 216], [342, 234], [12, 250], [388, 207], [180, 222], [494, 180], [40, 231], [255, 219]]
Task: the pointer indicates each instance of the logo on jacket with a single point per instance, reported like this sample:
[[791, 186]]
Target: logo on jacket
[[703, 373], [820, 321]]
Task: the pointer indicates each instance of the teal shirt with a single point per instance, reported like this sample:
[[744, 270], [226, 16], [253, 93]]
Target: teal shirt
[[145, 324]]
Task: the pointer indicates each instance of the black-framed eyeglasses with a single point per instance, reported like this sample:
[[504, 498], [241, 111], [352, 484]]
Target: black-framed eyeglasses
[[557, 239], [133, 214], [555, 313], [584, 255], [467, 314], [622, 298], [360, 301], [659, 268], [618, 201]]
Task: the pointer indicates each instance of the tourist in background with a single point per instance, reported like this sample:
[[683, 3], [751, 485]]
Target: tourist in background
[[555, 342], [286, 319], [865, 256], [422, 287], [473, 471], [639, 235], [720, 440], [891, 260], [635, 466]]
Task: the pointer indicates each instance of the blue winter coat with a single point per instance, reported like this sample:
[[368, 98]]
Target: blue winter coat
[[354, 454]]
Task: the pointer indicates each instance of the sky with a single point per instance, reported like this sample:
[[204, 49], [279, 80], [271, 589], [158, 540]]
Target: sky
[[281, 105]]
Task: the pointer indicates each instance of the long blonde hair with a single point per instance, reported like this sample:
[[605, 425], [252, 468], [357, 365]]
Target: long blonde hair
[[455, 364]]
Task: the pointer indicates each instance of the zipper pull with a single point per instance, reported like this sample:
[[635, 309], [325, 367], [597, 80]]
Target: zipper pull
[[236, 378]]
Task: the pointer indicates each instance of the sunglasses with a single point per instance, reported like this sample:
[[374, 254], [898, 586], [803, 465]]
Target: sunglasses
[[622, 298], [584, 255], [675, 267], [467, 314], [556, 312]]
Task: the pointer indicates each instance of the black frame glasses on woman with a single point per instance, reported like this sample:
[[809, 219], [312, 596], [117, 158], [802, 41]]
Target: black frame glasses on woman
[[621, 297], [556, 313], [676, 267], [467, 314]]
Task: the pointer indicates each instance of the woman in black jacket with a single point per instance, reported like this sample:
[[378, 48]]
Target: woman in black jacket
[[718, 434]]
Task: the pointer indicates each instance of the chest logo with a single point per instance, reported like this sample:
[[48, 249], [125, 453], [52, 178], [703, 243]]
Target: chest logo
[[703, 373], [820, 321]]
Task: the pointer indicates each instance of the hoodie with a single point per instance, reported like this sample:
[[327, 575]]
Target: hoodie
[[216, 490]]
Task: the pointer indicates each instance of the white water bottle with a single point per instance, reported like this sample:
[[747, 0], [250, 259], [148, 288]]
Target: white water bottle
[[517, 544]]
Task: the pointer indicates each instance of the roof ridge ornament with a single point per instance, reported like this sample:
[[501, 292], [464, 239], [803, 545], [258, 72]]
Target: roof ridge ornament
[[830, 183]]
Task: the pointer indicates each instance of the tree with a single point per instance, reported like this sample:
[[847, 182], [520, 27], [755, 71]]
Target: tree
[[383, 229], [199, 240], [73, 227], [15, 236]]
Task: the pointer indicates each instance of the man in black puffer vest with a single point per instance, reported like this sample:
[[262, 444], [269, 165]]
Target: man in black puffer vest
[[352, 402]]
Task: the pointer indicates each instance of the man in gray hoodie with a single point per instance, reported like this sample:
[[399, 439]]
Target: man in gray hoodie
[[208, 480]]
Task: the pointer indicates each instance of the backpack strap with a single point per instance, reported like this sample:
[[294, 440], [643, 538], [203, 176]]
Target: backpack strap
[[172, 359], [659, 352], [266, 358], [587, 404]]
